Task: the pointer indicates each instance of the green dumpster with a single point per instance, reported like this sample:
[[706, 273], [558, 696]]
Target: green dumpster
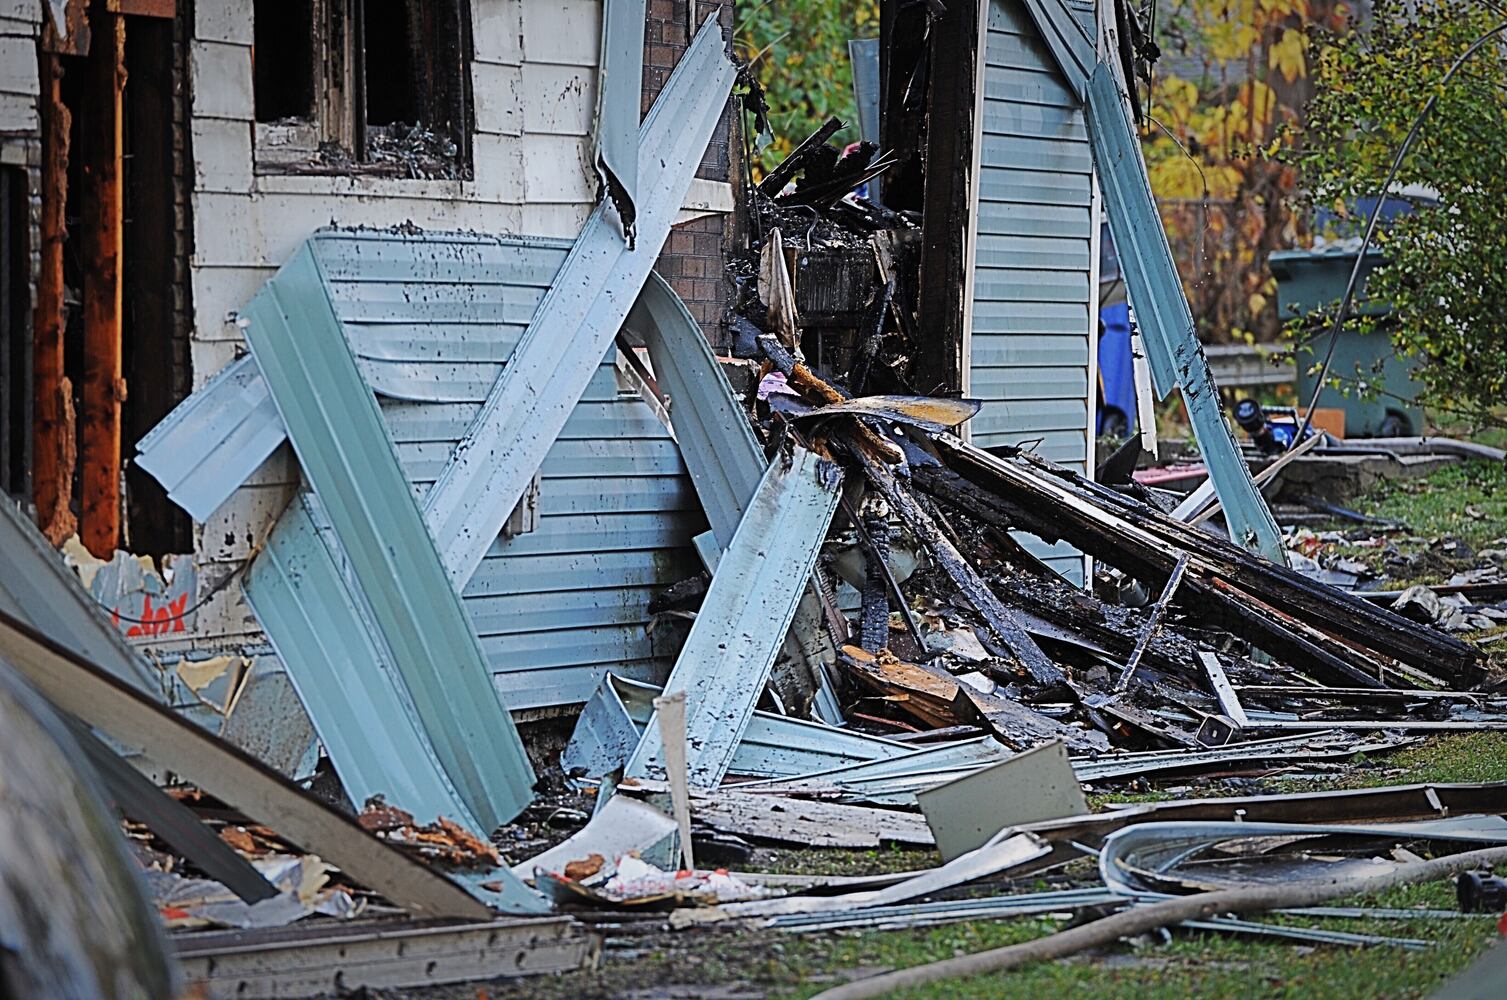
[[1308, 280]]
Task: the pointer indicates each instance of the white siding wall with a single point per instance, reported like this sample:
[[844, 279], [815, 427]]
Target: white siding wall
[[20, 23], [1032, 316]]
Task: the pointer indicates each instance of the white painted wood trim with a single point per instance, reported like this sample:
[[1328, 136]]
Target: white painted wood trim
[[975, 185]]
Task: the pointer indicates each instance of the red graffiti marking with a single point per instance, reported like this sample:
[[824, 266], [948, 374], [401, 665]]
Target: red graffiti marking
[[156, 621]]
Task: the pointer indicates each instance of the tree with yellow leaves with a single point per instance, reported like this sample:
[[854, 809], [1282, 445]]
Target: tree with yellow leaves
[[1232, 75], [799, 51]]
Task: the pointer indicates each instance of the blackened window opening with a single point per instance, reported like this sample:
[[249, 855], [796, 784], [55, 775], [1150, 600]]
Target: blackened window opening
[[391, 64], [283, 67]]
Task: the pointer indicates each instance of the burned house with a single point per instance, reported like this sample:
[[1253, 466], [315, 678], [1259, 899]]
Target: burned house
[[395, 377], [241, 129], [481, 120]]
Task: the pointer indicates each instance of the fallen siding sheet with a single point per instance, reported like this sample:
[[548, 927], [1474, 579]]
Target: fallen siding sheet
[[344, 450], [1070, 44], [747, 611], [724, 459], [773, 746], [114, 709], [578, 319], [379, 955], [1161, 309], [343, 674]]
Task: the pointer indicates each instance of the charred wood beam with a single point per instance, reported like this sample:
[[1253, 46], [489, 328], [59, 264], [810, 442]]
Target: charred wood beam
[[104, 388], [972, 586], [777, 178], [53, 445], [1147, 543], [954, 41], [1281, 635]]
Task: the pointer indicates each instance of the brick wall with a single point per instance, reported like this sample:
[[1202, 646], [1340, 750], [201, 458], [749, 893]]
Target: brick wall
[[695, 258]]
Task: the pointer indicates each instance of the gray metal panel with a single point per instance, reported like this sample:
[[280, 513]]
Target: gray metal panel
[[580, 315], [344, 451], [343, 672], [1162, 313], [726, 463], [747, 611], [773, 746], [863, 53]]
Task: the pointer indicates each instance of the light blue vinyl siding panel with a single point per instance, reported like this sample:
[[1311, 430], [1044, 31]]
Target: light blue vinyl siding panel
[[1032, 311], [432, 318]]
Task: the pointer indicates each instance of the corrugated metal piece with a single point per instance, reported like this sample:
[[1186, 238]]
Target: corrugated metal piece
[[746, 613], [1162, 313], [38, 588], [576, 322], [725, 462], [619, 80], [214, 440], [345, 453], [773, 746]]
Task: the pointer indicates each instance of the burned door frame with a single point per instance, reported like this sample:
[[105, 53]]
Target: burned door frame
[[940, 131], [80, 429]]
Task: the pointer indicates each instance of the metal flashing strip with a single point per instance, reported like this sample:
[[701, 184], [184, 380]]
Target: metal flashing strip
[[1162, 313], [1071, 47], [116, 710], [345, 452], [578, 318], [38, 588], [747, 611], [214, 440], [722, 455], [618, 85]]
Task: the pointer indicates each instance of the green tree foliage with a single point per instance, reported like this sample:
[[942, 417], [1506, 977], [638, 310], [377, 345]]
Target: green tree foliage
[[799, 49], [1446, 263]]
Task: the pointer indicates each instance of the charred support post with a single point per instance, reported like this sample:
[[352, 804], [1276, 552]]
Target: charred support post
[[1153, 623], [53, 446], [875, 628], [953, 43], [103, 201]]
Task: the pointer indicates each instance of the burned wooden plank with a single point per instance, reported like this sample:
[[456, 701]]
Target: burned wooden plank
[[1146, 543], [1282, 635], [777, 178], [954, 42], [940, 700]]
